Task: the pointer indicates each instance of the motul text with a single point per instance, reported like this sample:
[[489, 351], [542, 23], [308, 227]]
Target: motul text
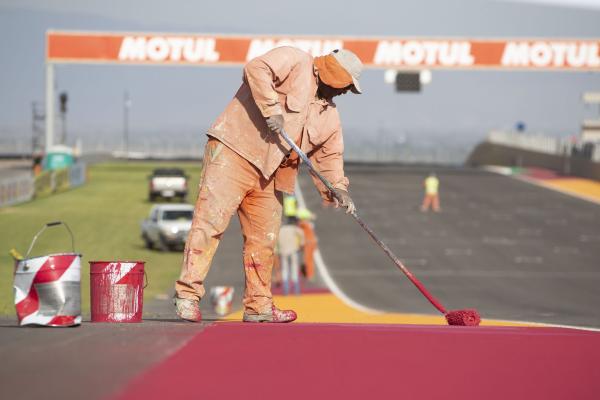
[[315, 47], [551, 54], [168, 48], [430, 53]]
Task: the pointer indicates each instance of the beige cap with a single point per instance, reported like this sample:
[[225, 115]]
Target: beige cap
[[352, 64]]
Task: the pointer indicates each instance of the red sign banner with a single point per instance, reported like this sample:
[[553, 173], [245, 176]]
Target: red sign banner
[[389, 53]]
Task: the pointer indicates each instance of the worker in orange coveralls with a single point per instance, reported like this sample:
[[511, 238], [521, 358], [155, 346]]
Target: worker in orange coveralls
[[247, 166], [305, 218]]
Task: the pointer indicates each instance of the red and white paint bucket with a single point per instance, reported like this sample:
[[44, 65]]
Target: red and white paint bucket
[[221, 298], [117, 291], [48, 288]]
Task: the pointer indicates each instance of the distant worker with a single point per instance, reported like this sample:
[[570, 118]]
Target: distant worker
[[290, 206], [248, 166], [37, 164], [432, 197], [305, 223], [291, 240]]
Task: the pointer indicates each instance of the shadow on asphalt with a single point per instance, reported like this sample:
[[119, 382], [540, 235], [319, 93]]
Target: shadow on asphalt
[[176, 320]]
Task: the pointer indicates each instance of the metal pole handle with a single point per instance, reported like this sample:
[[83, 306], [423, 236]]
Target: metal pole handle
[[49, 225], [366, 227]]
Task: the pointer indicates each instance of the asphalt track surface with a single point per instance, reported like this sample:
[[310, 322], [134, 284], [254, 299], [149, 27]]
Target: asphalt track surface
[[513, 250], [87, 362]]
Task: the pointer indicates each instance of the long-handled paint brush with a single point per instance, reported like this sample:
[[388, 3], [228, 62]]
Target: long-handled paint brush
[[468, 317]]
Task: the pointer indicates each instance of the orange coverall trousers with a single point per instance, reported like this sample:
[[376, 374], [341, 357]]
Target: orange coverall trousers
[[310, 245], [229, 183], [431, 200]]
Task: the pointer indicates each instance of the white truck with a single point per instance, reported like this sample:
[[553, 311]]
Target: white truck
[[168, 183], [167, 226]]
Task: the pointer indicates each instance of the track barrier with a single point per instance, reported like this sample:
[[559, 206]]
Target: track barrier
[[15, 190]]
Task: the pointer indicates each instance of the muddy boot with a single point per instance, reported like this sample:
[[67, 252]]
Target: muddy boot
[[275, 316], [188, 309]]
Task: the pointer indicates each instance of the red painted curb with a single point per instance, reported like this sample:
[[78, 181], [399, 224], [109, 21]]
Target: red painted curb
[[235, 360]]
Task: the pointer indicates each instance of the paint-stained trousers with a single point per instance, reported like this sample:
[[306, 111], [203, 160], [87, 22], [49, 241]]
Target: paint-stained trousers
[[229, 183]]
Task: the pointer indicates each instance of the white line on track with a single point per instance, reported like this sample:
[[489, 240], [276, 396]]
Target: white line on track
[[529, 232], [324, 271], [335, 289], [529, 259], [545, 325], [503, 241], [537, 274], [458, 252], [565, 250], [589, 238]]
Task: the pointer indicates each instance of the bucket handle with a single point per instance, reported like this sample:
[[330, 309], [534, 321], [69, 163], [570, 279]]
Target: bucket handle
[[145, 280], [48, 225]]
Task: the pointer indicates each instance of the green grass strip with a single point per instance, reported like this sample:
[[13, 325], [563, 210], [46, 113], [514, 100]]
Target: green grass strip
[[104, 215]]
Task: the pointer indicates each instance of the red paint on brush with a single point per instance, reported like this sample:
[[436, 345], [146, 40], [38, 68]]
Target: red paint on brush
[[463, 317], [469, 317]]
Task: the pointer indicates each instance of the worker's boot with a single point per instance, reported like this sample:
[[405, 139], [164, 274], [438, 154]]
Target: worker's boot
[[188, 309], [274, 316]]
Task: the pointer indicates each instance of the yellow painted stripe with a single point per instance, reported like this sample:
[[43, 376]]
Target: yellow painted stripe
[[326, 308], [584, 187]]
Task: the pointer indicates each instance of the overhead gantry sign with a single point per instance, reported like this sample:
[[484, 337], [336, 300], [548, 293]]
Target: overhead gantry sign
[[384, 52]]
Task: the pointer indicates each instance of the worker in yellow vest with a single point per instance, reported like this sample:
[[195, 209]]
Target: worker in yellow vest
[[432, 196], [290, 206]]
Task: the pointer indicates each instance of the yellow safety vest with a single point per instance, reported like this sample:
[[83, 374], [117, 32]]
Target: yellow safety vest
[[431, 185], [289, 206]]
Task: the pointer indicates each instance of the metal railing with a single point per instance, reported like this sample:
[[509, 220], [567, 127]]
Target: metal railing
[[25, 187]]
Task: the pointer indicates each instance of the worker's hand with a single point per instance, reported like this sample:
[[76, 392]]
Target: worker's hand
[[275, 123], [342, 199]]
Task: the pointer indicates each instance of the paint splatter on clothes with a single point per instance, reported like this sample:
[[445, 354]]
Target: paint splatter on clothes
[[229, 183], [283, 82], [246, 167]]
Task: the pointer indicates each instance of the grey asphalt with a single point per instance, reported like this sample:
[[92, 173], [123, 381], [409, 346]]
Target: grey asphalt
[[511, 249], [92, 361]]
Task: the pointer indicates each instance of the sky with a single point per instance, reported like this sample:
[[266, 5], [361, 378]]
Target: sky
[[589, 4], [174, 106]]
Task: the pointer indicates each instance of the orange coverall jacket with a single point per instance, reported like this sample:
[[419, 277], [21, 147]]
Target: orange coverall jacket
[[283, 81]]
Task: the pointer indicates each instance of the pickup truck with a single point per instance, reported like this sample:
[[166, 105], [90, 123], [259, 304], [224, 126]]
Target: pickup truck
[[167, 226], [168, 183]]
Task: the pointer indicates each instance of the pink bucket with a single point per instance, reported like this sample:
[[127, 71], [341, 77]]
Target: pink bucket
[[117, 291]]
